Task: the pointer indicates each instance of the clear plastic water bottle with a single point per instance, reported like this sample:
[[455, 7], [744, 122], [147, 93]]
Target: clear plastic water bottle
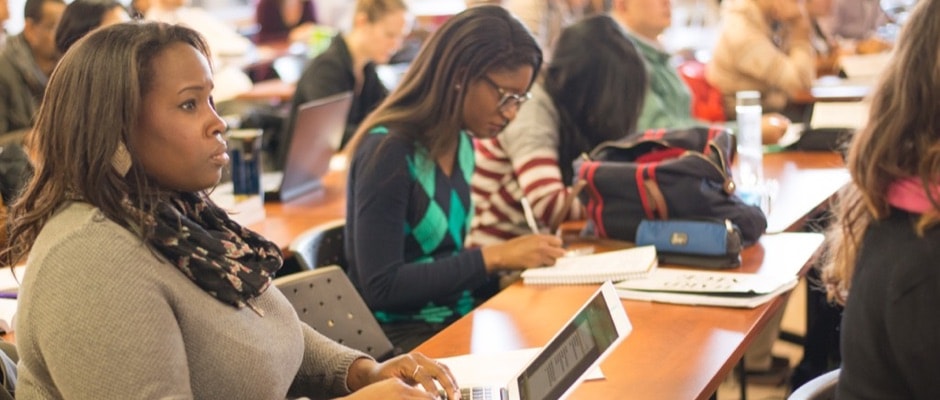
[[750, 147]]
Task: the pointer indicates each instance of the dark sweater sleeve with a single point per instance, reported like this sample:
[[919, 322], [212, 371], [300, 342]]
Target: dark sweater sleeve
[[380, 190]]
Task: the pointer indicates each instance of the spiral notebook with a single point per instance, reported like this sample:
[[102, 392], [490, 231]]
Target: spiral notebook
[[619, 265]]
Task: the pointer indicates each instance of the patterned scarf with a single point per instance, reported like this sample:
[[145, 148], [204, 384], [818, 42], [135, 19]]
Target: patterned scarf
[[228, 261]]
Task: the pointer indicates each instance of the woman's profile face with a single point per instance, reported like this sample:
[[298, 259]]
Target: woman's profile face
[[491, 102], [178, 138], [386, 35]]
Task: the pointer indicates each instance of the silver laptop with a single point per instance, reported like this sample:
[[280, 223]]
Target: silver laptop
[[317, 131], [580, 346]]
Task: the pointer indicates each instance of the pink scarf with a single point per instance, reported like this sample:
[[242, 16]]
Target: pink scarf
[[908, 194]]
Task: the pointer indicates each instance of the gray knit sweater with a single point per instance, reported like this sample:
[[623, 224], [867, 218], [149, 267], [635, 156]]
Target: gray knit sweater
[[100, 317]]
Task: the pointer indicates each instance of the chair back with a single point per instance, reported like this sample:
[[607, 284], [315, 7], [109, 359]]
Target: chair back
[[320, 246], [326, 300], [822, 387]]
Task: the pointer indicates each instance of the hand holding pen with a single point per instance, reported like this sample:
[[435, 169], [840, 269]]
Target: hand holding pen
[[529, 251]]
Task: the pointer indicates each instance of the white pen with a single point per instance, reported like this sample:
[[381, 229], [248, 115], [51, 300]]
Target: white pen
[[529, 215]]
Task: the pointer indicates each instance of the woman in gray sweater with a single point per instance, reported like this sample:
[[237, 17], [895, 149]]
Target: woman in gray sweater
[[136, 285]]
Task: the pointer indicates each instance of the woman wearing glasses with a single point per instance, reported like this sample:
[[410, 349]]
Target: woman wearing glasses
[[408, 193], [587, 95]]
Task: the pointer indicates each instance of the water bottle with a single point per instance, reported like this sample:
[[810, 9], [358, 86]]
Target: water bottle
[[245, 158], [750, 147]]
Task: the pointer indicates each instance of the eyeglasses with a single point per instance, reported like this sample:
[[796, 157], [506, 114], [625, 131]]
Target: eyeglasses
[[508, 100]]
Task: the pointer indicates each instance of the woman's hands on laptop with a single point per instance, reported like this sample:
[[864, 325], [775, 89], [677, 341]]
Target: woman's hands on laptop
[[408, 376]]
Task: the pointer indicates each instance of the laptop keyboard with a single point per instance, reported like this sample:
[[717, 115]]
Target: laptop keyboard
[[480, 393]]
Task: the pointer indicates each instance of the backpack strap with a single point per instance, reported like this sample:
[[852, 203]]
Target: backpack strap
[[651, 197], [595, 205], [656, 195]]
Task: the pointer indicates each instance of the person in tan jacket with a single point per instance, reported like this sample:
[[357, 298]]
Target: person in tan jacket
[[764, 45]]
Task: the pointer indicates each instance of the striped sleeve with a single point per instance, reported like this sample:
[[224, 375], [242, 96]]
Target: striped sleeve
[[505, 171]]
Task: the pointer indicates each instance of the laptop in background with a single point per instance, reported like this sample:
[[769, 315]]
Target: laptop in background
[[317, 132], [576, 349]]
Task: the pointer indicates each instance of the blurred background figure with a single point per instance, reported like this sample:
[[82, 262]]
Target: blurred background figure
[[546, 18], [223, 39], [764, 45], [26, 62], [83, 16], [826, 46], [668, 101], [857, 22], [226, 45], [284, 20], [349, 64], [857, 19]]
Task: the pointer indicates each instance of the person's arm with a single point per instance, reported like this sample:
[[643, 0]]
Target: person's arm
[[380, 194], [531, 143], [323, 354]]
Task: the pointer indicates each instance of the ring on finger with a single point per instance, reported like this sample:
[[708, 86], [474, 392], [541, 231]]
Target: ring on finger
[[414, 374]]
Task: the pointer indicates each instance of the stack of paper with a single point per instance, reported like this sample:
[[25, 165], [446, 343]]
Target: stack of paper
[[7, 315], [839, 115], [864, 66], [9, 287], [708, 288], [632, 263]]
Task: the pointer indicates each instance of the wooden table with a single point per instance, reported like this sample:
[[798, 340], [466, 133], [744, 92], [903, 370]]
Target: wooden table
[[805, 182], [836, 90], [674, 351], [286, 221]]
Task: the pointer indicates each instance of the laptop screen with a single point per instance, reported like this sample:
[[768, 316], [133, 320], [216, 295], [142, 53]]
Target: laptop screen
[[569, 355], [320, 124]]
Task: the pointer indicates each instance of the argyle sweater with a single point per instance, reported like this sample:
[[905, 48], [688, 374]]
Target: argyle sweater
[[406, 222]]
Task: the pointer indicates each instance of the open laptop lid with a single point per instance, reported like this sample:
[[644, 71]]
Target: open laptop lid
[[317, 131], [581, 344]]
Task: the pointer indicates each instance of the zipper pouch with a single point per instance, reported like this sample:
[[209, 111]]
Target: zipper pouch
[[692, 242]]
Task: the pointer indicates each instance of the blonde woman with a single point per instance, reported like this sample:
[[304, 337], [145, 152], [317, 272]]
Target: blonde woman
[[349, 64]]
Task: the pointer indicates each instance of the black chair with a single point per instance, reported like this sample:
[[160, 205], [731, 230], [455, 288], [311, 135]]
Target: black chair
[[321, 245], [326, 300], [822, 387]]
